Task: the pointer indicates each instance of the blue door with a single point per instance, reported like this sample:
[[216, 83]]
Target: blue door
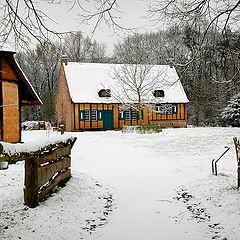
[[107, 116]]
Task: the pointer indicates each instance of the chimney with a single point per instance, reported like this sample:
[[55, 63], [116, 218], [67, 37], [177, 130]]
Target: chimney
[[64, 59]]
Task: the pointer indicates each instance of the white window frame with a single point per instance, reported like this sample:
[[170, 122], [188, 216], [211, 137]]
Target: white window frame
[[122, 114], [81, 115]]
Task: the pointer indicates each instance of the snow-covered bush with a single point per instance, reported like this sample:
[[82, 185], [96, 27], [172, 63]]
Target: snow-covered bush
[[231, 113], [30, 125], [145, 128]]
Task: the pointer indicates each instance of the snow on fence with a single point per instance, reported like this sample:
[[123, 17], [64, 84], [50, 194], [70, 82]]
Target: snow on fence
[[46, 165]]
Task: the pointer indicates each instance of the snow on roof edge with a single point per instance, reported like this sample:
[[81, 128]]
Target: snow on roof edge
[[38, 98]]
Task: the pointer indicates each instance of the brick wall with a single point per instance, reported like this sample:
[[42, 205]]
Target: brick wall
[[64, 105]]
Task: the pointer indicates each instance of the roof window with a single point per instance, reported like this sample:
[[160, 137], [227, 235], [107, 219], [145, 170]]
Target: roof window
[[104, 93], [158, 93]]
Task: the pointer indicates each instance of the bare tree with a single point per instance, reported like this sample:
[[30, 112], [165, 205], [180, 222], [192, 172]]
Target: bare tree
[[220, 13], [83, 49], [161, 47], [135, 82], [41, 66], [23, 20]]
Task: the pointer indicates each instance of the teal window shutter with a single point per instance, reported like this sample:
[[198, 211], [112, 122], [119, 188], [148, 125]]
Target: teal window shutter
[[138, 115]]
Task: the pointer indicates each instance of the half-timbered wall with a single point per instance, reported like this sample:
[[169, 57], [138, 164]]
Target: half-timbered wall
[[109, 116]]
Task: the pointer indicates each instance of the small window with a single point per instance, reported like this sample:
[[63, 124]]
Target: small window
[[158, 93], [104, 93], [134, 114], [94, 115], [166, 108], [127, 114], [86, 115]]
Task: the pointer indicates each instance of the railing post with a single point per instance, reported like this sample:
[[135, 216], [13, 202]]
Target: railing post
[[31, 183], [237, 147]]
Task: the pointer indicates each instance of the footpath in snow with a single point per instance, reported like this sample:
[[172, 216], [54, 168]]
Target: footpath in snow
[[133, 187]]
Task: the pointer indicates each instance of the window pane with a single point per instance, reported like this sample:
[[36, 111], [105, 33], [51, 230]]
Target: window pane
[[134, 114], [94, 115], [104, 93], [127, 114], [166, 108], [86, 115], [158, 93]]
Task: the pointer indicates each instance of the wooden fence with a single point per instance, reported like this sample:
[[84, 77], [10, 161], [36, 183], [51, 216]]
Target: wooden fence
[[44, 169]]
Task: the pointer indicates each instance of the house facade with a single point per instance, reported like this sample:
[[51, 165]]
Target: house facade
[[88, 99], [15, 92]]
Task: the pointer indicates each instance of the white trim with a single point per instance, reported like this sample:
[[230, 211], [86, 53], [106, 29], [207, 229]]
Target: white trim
[[9, 105], [28, 82]]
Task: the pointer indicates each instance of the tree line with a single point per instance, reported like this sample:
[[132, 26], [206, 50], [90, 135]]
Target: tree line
[[209, 69]]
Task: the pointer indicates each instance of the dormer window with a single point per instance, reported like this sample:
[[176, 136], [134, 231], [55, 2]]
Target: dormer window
[[104, 93], [158, 93]]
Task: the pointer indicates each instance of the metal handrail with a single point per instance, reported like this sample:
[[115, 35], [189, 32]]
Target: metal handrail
[[214, 162]]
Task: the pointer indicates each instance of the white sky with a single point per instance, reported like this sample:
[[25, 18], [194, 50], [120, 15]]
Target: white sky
[[131, 16]]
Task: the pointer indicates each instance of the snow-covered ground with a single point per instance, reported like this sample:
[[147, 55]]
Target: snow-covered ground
[[133, 187]]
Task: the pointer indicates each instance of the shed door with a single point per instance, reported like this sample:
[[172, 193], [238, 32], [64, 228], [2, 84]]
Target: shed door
[[107, 117]]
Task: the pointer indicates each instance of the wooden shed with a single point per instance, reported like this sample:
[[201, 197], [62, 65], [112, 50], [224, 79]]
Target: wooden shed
[[85, 99], [15, 91]]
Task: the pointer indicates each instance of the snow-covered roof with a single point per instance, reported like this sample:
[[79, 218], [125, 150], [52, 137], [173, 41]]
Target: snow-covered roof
[[85, 80], [7, 47], [27, 82]]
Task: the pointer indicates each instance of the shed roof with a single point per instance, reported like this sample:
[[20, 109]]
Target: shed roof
[[28, 94], [85, 80]]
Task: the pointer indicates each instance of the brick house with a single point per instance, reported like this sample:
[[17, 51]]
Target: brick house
[[85, 101], [15, 92]]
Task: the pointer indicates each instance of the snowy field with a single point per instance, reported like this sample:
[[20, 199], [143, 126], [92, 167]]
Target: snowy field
[[133, 187]]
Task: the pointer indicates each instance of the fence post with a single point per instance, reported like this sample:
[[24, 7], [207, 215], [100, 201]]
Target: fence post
[[31, 183], [237, 147]]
